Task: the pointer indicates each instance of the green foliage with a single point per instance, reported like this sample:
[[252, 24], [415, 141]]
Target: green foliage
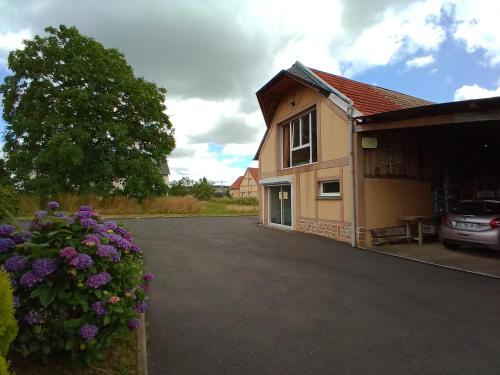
[[4, 370], [181, 188], [78, 120], [201, 189], [8, 324], [57, 305], [9, 202]]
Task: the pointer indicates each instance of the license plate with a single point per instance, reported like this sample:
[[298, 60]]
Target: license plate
[[464, 226]]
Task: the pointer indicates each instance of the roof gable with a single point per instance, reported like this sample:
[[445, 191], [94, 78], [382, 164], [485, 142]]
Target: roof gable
[[255, 173], [236, 184]]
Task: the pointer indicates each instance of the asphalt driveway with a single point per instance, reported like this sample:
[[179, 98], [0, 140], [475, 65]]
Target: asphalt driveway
[[234, 298]]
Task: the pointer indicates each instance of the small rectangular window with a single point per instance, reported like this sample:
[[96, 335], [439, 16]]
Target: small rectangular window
[[329, 188]]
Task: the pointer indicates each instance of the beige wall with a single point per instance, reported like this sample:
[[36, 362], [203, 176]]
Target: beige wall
[[334, 133], [333, 149], [235, 193], [248, 186], [388, 199]]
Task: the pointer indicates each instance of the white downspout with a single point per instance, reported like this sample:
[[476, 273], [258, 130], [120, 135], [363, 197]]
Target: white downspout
[[351, 171]]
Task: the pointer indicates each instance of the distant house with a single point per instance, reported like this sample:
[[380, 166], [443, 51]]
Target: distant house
[[246, 185], [234, 189], [165, 171]]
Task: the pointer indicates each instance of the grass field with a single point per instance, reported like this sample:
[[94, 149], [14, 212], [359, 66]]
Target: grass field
[[123, 206]]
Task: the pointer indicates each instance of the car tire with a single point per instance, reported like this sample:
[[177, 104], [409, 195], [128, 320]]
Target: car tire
[[451, 246]]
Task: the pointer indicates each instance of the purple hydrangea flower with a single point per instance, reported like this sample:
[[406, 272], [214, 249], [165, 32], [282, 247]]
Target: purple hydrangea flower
[[141, 307], [81, 261], [58, 214], [20, 237], [87, 222], [29, 279], [110, 225], [33, 317], [113, 238], [40, 214], [88, 332], [107, 251], [124, 233], [134, 323], [124, 244], [117, 257], [53, 205], [148, 277], [99, 228], [44, 267], [98, 280], [99, 308], [68, 253], [16, 263], [6, 229], [84, 214], [91, 240], [6, 244], [135, 249], [85, 208]]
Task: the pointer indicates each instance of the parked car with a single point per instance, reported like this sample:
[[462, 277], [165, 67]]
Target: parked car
[[472, 223]]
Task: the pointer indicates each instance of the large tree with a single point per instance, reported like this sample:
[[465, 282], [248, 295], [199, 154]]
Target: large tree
[[79, 120]]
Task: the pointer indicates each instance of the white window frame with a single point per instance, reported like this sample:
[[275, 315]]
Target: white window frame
[[323, 194], [301, 145]]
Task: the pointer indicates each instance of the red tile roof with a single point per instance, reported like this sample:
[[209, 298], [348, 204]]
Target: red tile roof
[[370, 99], [236, 184], [255, 173]]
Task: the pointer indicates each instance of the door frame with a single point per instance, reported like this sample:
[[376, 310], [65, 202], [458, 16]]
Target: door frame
[[280, 226]]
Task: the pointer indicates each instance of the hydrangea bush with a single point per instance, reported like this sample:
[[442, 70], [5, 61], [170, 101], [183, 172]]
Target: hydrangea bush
[[79, 283]]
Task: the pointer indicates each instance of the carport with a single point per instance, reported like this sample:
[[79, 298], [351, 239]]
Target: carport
[[420, 162]]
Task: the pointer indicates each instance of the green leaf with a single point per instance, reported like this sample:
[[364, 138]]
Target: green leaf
[[70, 343], [106, 320], [48, 296], [46, 349]]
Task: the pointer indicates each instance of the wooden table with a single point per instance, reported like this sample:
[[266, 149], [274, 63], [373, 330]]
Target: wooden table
[[411, 220]]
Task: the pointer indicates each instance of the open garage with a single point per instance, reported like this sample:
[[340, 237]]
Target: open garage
[[416, 165]]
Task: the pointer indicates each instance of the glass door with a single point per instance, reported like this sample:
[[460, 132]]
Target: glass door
[[280, 205]]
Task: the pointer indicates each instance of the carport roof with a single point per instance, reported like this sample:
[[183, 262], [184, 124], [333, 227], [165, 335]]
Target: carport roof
[[477, 109]]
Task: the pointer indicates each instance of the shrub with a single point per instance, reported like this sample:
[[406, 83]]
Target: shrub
[[8, 325], [9, 201], [79, 284]]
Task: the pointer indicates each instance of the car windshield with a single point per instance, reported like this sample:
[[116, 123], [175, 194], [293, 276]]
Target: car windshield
[[476, 208]]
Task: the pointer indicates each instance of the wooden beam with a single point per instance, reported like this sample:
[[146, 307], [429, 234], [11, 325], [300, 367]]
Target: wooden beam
[[458, 118]]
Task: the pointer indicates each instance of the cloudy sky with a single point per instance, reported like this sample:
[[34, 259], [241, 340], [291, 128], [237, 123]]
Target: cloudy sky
[[213, 55]]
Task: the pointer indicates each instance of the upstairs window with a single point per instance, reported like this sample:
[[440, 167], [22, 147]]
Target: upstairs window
[[299, 140]]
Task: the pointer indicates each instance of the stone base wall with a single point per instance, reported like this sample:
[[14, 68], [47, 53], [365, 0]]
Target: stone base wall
[[336, 230]]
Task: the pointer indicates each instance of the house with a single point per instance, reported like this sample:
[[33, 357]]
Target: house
[[165, 171], [246, 185], [340, 156]]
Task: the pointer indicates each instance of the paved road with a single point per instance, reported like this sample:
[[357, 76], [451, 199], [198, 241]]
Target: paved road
[[234, 298]]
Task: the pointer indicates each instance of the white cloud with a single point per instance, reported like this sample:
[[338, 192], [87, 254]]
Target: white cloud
[[475, 92], [399, 33], [10, 41], [13, 40], [420, 62], [195, 117], [477, 27]]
